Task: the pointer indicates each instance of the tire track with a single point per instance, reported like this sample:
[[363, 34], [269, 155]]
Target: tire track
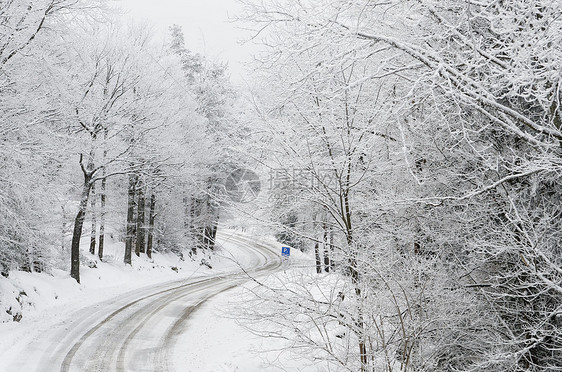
[[70, 355], [120, 339]]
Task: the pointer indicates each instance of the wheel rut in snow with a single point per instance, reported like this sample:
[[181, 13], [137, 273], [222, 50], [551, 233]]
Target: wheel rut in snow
[[141, 335]]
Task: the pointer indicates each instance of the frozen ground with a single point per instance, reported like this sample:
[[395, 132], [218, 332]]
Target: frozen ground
[[210, 338], [215, 341]]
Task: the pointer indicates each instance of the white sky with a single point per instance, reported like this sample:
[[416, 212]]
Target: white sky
[[205, 24]]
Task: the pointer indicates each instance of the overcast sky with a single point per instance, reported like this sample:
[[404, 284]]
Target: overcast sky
[[205, 24]]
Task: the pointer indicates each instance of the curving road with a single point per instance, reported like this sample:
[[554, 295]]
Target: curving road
[[137, 332]]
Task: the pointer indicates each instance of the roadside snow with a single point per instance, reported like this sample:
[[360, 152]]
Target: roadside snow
[[40, 301], [217, 340], [214, 340]]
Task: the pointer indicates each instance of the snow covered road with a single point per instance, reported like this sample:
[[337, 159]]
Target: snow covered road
[[137, 331]]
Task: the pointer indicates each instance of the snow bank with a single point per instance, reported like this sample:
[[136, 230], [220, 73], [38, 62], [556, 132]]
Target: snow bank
[[216, 341], [25, 296]]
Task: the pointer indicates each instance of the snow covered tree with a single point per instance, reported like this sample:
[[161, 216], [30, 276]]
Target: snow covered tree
[[331, 139], [469, 194], [33, 145], [214, 95], [121, 105]]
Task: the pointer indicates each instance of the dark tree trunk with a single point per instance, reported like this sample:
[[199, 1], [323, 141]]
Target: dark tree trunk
[[326, 249], [353, 269], [417, 247], [94, 222], [103, 198], [211, 223], [140, 247], [187, 216], [63, 230], [193, 229], [202, 235], [317, 256], [206, 233], [216, 217], [151, 218], [102, 218], [78, 225], [359, 322], [130, 218], [332, 264], [27, 264], [214, 235]]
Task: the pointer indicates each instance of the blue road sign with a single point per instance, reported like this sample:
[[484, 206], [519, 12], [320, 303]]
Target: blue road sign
[[285, 251]]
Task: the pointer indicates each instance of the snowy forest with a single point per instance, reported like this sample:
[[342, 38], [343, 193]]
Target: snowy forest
[[98, 119], [412, 149]]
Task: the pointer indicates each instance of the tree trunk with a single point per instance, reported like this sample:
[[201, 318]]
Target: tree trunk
[[151, 218], [102, 218], [216, 212], [27, 262], [214, 215], [206, 234], [94, 222], [130, 218], [77, 233], [211, 228], [353, 270], [140, 248], [63, 231], [214, 234], [194, 230], [359, 323], [325, 249], [317, 255], [187, 216], [332, 264], [103, 198]]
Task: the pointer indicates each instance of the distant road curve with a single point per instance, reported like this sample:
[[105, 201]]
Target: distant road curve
[[137, 332]]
